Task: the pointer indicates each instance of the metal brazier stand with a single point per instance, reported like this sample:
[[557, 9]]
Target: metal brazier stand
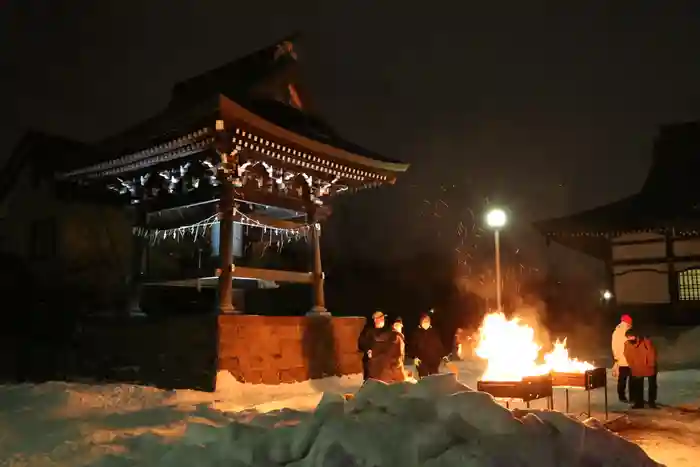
[[588, 381], [529, 389], [542, 387]]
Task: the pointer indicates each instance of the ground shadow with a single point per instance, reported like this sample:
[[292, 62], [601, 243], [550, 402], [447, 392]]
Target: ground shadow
[[168, 354], [640, 426], [319, 349]]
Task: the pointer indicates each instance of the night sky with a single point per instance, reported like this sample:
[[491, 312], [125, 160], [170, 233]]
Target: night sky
[[545, 107]]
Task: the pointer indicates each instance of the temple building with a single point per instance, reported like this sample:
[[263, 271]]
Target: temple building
[[650, 241], [236, 165], [237, 159]]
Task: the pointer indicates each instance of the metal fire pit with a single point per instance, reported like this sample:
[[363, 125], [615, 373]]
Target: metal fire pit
[[588, 381], [529, 389]]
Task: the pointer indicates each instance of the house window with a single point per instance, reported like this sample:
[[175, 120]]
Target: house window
[[42, 239], [689, 284]]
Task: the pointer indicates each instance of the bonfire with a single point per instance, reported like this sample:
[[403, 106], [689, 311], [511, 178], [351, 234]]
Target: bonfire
[[512, 353]]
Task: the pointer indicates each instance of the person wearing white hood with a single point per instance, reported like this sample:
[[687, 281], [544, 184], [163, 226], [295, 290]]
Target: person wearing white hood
[[619, 338]]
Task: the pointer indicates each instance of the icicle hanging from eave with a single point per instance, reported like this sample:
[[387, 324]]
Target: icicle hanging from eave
[[198, 229]]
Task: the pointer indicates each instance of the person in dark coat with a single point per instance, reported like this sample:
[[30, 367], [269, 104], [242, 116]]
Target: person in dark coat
[[368, 340], [387, 361], [640, 354], [426, 348]]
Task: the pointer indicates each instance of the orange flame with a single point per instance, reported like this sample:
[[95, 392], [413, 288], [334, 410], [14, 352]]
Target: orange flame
[[511, 353]]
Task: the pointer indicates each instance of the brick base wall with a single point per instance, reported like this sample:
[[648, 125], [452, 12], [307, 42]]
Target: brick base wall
[[287, 349], [184, 352]]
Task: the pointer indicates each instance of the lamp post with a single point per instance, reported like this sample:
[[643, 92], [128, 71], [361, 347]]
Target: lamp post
[[496, 219]]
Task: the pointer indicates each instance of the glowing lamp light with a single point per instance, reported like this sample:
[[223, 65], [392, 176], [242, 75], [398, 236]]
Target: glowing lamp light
[[496, 218], [607, 295]]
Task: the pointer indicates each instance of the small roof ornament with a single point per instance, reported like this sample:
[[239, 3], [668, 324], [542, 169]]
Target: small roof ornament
[[285, 48]]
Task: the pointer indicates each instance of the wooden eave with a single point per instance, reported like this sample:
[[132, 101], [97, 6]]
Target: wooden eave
[[602, 220], [590, 231], [668, 201], [253, 132], [636, 213], [172, 150], [312, 152]]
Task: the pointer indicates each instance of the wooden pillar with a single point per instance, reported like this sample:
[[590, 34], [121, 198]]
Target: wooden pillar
[[319, 306], [226, 249], [136, 273], [226, 205]]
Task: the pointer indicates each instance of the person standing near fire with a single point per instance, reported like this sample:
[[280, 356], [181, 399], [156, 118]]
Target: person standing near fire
[[368, 339], [459, 345], [640, 354], [426, 348], [387, 361], [398, 328], [620, 367]]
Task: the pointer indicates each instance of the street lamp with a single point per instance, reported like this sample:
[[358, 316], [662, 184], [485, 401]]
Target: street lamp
[[496, 219]]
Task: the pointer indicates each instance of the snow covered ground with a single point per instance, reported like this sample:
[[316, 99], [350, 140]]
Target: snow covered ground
[[670, 435], [58, 424]]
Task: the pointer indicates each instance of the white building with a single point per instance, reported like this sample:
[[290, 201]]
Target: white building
[[650, 241]]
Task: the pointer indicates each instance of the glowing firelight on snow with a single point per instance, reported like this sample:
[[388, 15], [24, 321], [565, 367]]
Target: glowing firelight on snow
[[511, 353]]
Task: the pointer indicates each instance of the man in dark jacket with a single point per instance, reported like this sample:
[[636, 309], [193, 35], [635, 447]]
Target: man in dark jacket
[[368, 339], [387, 361], [426, 348]]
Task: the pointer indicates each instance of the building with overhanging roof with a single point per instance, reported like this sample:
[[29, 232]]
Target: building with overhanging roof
[[237, 149], [650, 241]]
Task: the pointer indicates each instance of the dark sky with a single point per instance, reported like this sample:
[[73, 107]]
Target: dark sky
[[547, 107]]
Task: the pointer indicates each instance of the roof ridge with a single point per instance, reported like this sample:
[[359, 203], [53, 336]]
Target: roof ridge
[[250, 70]]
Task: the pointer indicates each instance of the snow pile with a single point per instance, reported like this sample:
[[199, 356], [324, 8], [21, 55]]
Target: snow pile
[[436, 422]]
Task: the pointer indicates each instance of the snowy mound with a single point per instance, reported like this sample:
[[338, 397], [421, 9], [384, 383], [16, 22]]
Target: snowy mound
[[436, 422]]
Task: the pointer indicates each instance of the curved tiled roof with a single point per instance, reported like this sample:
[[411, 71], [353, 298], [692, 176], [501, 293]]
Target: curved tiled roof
[[240, 78], [257, 82], [307, 125], [676, 163], [670, 197]]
